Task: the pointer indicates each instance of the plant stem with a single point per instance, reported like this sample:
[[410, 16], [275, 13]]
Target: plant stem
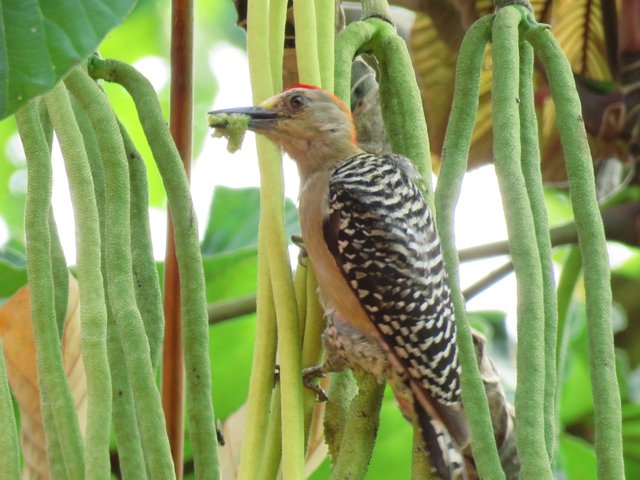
[[181, 125], [606, 394], [454, 163], [58, 410], [194, 306], [228, 309]]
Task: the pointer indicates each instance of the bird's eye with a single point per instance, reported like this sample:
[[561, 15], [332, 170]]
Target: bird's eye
[[297, 102]]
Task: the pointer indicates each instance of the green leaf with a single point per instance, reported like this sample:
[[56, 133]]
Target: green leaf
[[13, 272], [231, 274], [577, 458], [41, 40], [233, 220]]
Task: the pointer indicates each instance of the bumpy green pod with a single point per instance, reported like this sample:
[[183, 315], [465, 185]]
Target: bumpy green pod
[[60, 418], [192, 293], [454, 164]]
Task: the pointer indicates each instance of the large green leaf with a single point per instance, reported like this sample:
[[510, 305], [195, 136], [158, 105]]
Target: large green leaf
[[13, 272], [41, 40], [234, 217], [577, 457]]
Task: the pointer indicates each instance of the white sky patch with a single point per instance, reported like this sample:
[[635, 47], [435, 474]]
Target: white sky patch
[[62, 208], [156, 69], [4, 232], [215, 165]]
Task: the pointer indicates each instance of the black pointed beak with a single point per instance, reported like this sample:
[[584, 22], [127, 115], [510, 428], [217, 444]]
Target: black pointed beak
[[259, 117]]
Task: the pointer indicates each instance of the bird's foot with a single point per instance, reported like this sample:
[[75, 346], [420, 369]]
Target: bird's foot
[[309, 375]]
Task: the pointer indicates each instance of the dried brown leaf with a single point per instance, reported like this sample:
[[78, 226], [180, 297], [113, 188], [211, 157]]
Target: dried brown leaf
[[20, 357]]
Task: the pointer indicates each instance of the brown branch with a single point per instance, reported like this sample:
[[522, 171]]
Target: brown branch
[[621, 224], [181, 119]]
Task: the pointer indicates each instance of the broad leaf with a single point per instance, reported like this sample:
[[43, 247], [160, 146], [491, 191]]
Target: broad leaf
[[40, 41], [234, 218], [13, 273]]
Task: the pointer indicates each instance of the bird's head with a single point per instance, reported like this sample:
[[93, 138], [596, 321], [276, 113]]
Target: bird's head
[[311, 124]]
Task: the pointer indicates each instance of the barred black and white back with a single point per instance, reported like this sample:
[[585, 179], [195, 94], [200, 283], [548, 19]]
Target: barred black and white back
[[384, 240]]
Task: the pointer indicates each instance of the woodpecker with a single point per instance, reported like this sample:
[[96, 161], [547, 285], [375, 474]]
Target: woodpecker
[[373, 245]]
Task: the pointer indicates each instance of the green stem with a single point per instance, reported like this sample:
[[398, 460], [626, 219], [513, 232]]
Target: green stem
[[326, 22], [10, 458], [569, 276], [228, 309], [272, 455], [420, 466], [454, 163], [58, 260], [347, 44], [93, 313], [530, 392], [530, 155], [120, 276], [125, 423], [359, 434], [398, 84], [312, 342], [276, 34], [147, 281], [57, 404], [192, 293], [275, 243], [379, 8], [606, 394], [304, 13], [123, 412], [262, 374]]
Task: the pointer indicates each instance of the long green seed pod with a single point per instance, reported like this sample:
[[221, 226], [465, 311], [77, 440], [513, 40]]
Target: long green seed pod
[[130, 456], [454, 164], [342, 389], [93, 313], [304, 13], [10, 458], [529, 401], [57, 404], [192, 293], [606, 395], [275, 242], [530, 153], [360, 430], [147, 282], [348, 42], [261, 381], [58, 260], [277, 22], [119, 274], [262, 432], [125, 423], [326, 27], [399, 83]]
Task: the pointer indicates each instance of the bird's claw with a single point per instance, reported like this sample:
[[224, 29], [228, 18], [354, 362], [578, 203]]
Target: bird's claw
[[309, 375], [298, 242]]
